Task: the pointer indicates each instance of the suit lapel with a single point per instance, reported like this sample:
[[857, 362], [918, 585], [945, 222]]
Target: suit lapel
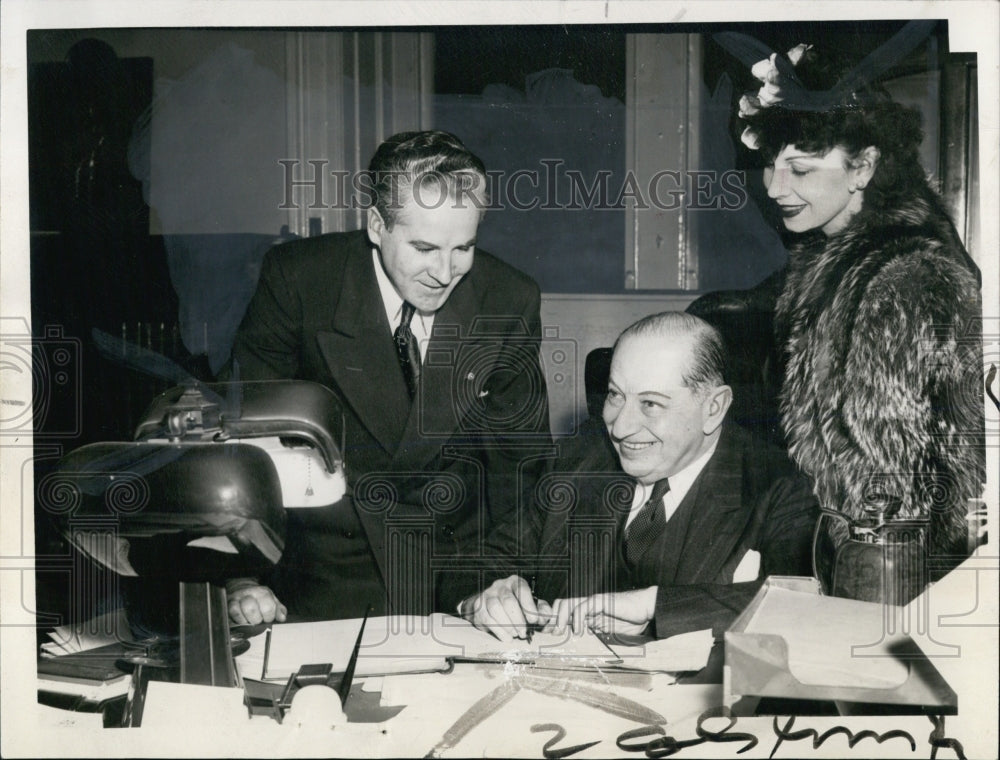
[[717, 515], [674, 539], [442, 397], [359, 353], [587, 533]]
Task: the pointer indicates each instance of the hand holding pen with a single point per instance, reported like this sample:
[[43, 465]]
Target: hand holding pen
[[508, 609], [542, 610]]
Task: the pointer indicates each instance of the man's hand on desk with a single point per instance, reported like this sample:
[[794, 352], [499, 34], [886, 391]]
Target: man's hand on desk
[[251, 604], [623, 612], [506, 609]]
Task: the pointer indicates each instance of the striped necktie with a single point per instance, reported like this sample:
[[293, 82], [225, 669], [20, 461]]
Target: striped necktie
[[643, 531], [407, 350]]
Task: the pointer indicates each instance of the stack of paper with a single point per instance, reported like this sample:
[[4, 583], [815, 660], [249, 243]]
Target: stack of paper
[[110, 628], [402, 644], [393, 645], [81, 659], [91, 692]]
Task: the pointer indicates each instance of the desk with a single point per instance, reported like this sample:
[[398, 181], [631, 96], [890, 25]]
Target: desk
[[520, 728], [210, 721], [433, 702]]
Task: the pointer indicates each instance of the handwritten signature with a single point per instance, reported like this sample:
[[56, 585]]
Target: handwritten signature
[[654, 741], [664, 746], [786, 734]]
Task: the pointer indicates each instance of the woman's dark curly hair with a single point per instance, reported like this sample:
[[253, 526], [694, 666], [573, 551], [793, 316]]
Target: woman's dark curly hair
[[864, 117]]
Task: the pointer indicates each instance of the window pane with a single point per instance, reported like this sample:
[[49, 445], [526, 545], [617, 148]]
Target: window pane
[[544, 108]]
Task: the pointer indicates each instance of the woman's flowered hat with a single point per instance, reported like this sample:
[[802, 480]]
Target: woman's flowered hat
[[782, 88]]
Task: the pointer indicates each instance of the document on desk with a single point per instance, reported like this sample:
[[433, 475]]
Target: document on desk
[[109, 628], [683, 652], [409, 644], [832, 641]]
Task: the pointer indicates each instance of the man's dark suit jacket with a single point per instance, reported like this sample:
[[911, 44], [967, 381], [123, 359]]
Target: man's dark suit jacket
[[748, 497], [426, 481]]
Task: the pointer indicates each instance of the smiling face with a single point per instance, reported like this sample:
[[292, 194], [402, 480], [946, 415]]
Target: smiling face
[[430, 247], [657, 425], [815, 190]]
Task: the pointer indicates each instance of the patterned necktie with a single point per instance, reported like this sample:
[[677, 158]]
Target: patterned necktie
[[643, 531], [407, 350]]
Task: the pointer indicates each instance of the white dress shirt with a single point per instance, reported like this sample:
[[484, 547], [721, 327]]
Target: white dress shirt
[[422, 323], [680, 484]]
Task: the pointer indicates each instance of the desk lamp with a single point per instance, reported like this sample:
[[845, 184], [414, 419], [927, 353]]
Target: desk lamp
[[198, 496]]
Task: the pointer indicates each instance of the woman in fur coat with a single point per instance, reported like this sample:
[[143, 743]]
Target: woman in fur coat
[[878, 316]]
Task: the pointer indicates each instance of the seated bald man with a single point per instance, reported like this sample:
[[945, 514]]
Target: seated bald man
[[671, 528]]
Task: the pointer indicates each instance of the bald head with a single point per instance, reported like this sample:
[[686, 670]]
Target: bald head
[[705, 353]]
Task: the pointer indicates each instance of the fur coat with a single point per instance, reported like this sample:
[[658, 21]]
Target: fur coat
[[882, 399]]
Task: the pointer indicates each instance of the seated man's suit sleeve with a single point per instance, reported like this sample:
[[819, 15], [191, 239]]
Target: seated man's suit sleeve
[[781, 531]]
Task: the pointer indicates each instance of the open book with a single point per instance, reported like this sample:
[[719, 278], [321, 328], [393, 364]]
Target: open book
[[406, 644]]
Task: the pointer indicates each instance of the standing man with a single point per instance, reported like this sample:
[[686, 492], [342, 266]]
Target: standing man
[[680, 531], [433, 349]]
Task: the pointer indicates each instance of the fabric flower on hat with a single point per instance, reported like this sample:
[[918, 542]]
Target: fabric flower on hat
[[763, 68], [750, 138], [777, 77], [749, 105], [796, 53]]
